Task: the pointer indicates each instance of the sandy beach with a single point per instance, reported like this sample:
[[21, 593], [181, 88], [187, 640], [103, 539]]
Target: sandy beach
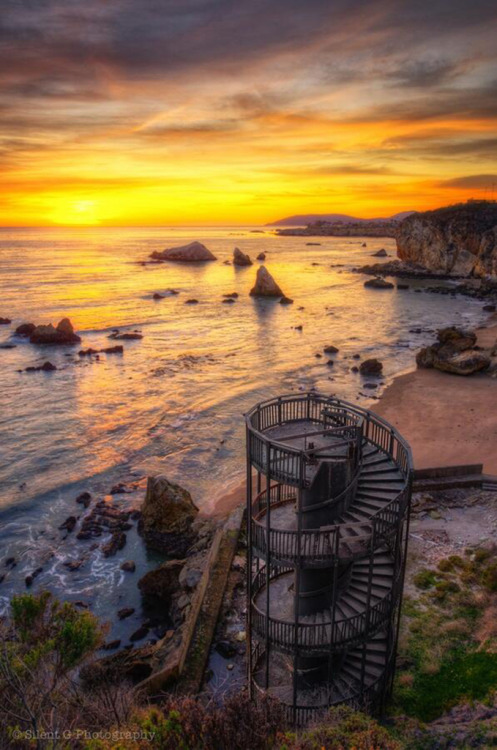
[[447, 419]]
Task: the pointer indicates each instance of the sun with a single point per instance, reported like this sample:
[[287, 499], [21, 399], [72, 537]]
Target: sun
[[76, 212]]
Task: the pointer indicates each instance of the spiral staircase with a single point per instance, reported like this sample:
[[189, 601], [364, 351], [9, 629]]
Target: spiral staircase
[[329, 487]]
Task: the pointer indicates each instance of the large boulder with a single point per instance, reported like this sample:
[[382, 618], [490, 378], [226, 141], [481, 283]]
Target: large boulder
[[241, 259], [62, 335], [25, 329], [167, 514], [194, 252], [265, 285], [453, 352], [159, 586], [463, 363]]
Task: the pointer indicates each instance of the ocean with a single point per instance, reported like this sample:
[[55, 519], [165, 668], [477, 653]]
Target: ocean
[[173, 403]]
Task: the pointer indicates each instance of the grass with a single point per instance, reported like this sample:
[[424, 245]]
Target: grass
[[443, 661], [471, 675]]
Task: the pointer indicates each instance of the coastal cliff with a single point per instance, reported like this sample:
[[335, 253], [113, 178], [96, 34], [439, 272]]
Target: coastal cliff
[[458, 240], [374, 228]]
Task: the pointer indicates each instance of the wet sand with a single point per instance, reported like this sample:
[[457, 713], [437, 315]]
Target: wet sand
[[447, 419]]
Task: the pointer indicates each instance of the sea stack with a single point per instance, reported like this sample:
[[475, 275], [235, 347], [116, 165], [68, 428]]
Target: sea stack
[[265, 285], [241, 259], [194, 252]]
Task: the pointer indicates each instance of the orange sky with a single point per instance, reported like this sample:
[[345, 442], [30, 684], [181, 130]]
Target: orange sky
[[211, 112]]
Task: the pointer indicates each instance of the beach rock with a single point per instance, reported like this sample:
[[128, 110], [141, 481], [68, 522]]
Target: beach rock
[[378, 283], [380, 254], [229, 301], [168, 512], [330, 363], [191, 302], [354, 369], [5, 321], [489, 308], [194, 252], [118, 489], [331, 349], [7, 345], [129, 566], [455, 351], [69, 523], [48, 335], [241, 259], [25, 329], [125, 612], [286, 301], [117, 349], [261, 256], [463, 363], [159, 585], [457, 240], [73, 564], [371, 367], [156, 295], [265, 285], [232, 295], [402, 286], [116, 543]]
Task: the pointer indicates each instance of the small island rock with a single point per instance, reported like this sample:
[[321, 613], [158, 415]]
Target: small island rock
[[194, 252], [265, 285], [241, 259]]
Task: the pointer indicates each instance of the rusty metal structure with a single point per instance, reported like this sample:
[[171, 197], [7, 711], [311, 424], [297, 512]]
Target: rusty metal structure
[[328, 498]]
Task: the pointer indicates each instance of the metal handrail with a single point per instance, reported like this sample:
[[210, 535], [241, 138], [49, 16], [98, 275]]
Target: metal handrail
[[342, 633]]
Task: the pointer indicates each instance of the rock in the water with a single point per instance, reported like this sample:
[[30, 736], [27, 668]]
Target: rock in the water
[[378, 283], [457, 240], [139, 634], [69, 523], [371, 367], [159, 585], [402, 286], [25, 329], [241, 259], [129, 566], [265, 285], [191, 253], [330, 349], [62, 335], [84, 498], [380, 254], [126, 336], [156, 295], [125, 612], [286, 301], [45, 367], [191, 301], [5, 321], [261, 256], [111, 645], [489, 308], [167, 515], [117, 542]]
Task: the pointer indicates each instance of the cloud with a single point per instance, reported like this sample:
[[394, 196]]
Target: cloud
[[474, 182]]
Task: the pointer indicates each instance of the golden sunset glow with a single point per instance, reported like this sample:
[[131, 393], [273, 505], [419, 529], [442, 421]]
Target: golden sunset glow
[[246, 115]]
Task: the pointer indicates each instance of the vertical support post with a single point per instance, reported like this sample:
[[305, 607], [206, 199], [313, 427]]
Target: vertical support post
[[268, 553], [249, 562]]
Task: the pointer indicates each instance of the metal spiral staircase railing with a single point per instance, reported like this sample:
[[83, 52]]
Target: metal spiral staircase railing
[[329, 487]]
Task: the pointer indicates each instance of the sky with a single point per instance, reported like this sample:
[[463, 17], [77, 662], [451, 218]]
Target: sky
[[172, 112]]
